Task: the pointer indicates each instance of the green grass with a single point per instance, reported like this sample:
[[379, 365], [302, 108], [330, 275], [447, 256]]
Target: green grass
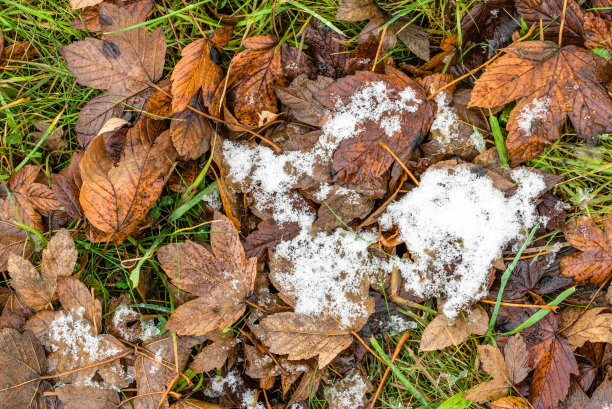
[[50, 90]]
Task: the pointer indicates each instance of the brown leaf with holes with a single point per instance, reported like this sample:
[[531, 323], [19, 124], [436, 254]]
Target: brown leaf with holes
[[301, 336], [116, 197], [199, 68], [511, 402], [361, 158], [298, 97], [39, 290], [594, 325], [221, 278], [443, 332], [91, 397], [597, 32], [550, 84], [22, 363], [66, 186], [550, 14], [593, 264]]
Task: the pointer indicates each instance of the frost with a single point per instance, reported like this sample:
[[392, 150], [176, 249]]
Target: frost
[[148, 329], [401, 324], [458, 221], [536, 109], [349, 392], [213, 199]]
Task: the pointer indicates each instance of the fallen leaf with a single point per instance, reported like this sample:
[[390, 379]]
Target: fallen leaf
[[593, 263], [599, 400], [517, 359], [13, 238], [362, 158], [116, 197], [301, 336], [222, 287], [79, 4], [298, 97], [341, 207], [191, 132], [22, 363], [597, 32], [511, 402], [258, 365], [39, 291], [214, 355], [199, 68], [595, 325], [66, 186], [330, 54], [443, 332], [550, 14], [54, 141], [357, 10], [195, 404], [81, 396], [74, 296], [494, 364], [542, 76], [90, 16], [15, 53], [267, 236]]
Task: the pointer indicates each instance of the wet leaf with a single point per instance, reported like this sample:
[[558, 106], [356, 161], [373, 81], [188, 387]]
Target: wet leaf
[[544, 78], [594, 261], [13, 238], [267, 236], [214, 355], [357, 10], [301, 337], [116, 197], [494, 364], [195, 404], [350, 392], [597, 32], [443, 332], [191, 132], [74, 296], [66, 186], [550, 13]]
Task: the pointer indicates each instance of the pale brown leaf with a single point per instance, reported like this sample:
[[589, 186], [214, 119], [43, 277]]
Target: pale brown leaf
[[443, 332], [595, 325], [517, 357], [510, 402], [81, 396]]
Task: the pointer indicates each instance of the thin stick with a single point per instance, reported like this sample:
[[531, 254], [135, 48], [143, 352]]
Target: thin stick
[[553, 308], [14, 103], [562, 22], [416, 182], [396, 353], [382, 39], [163, 398]]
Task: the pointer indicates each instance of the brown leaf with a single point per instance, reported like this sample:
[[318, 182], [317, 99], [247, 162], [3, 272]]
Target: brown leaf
[[15, 53], [443, 332], [74, 296], [543, 77], [214, 355], [362, 158], [594, 261], [300, 336], [191, 132], [267, 236], [595, 325], [199, 68], [600, 399], [39, 291], [13, 238], [159, 105], [22, 363], [116, 197], [597, 32], [494, 364], [195, 404], [79, 4], [516, 357], [298, 97], [54, 141], [357, 10], [259, 365], [414, 37], [330, 54], [81, 396], [550, 13], [152, 376], [66, 186], [342, 206], [90, 16], [350, 392], [511, 402]]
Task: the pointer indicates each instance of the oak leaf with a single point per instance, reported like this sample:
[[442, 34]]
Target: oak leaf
[[443, 332], [22, 363], [221, 278], [81, 396], [551, 14], [550, 84], [594, 261], [39, 291], [300, 336], [362, 157], [116, 197], [199, 69], [66, 186], [594, 325]]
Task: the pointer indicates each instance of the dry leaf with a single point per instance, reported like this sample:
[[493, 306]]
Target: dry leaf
[[214, 355], [443, 332], [54, 141], [544, 78], [199, 68], [91, 397], [74, 296], [517, 359], [195, 404], [357, 10], [267, 236], [79, 4], [494, 364], [66, 186], [191, 132], [301, 336], [595, 325], [362, 158], [594, 261], [116, 197], [600, 399], [22, 362], [13, 238], [39, 291], [298, 97], [511, 402], [350, 392], [550, 14]]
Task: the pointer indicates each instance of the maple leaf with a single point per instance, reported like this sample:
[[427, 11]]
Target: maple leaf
[[550, 83], [361, 158], [221, 278], [443, 332], [81, 396], [597, 32], [594, 325], [116, 197], [39, 291], [22, 363], [600, 398], [300, 336], [255, 71], [594, 261], [551, 13], [199, 69], [27, 197], [267, 236], [66, 186]]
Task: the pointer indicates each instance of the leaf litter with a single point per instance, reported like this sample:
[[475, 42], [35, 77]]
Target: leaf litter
[[371, 178]]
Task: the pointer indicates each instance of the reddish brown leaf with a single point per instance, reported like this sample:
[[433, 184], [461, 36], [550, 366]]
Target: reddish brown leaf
[[267, 236], [191, 132], [66, 186], [298, 97], [550, 83], [550, 13], [594, 261], [597, 32], [330, 54]]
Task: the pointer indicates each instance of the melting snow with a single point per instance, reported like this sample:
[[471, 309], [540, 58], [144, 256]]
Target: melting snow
[[458, 220]]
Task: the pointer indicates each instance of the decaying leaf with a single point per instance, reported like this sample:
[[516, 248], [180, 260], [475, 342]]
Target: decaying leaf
[[267, 236], [221, 279], [601, 398], [550, 14], [191, 132], [13, 238], [54, 141], [443, 332], [594, 261], [79, 4], [300, 336], [517, 359], [597, 32], [22, 363], [550, 83], [195, 404], [594, 325], [66, 186], [80, 396], [39, 291], [214, 355], [116, 197], [298, 97], [494, 364]]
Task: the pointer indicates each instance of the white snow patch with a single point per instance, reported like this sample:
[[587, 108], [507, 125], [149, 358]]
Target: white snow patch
[[350, 392], [401, 324], [455, 225], [213, 199], [536, 109]]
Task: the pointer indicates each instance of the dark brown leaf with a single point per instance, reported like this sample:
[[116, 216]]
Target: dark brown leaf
[[330, 54], [66, 186], [298, 97], [550, 13], [597, 32], [267, 236]]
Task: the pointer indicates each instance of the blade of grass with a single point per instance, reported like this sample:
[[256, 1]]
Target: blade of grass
[[499, 140]]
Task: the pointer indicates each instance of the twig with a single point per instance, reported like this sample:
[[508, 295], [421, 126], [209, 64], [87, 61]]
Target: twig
[[588, 305], [416, 182], [398, 348], [163, 398], [553, 308], [382, 39], [14, 103], [562, 22]]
